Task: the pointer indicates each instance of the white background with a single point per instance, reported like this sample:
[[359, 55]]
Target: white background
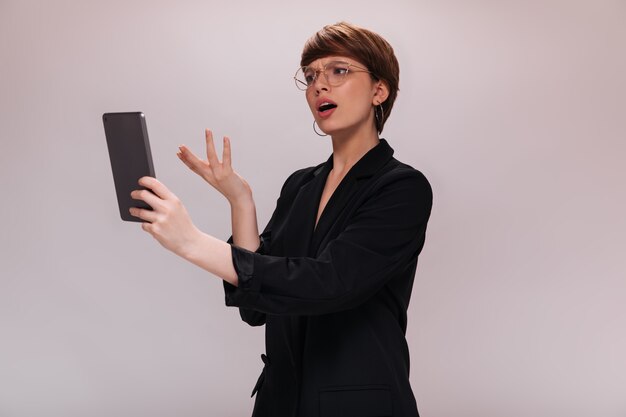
[[514, 110]]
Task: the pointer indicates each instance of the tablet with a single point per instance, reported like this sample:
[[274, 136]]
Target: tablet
[[129, 152]]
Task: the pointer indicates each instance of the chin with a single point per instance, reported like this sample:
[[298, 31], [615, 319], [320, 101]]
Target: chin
[[333, 129], [330, 126]]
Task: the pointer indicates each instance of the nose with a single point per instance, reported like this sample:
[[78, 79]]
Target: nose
[[320, 87]]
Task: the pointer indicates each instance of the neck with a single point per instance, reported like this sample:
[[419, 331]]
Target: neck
[[349, 147]]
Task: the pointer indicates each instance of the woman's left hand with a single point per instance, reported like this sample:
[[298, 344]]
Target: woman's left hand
[[168, 221]]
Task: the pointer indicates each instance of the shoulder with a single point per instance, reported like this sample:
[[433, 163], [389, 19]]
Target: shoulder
[[298, 178], [303, 174], [401, 176], [398, 188]]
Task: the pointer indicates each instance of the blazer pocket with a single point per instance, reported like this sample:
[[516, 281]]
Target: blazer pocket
[[356, 401]]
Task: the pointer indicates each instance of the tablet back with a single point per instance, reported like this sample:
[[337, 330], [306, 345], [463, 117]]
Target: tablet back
[[129, 152]]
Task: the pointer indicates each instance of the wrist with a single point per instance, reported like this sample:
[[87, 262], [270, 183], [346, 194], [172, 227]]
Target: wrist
[[242, 203], [212, 255], [192, 247]]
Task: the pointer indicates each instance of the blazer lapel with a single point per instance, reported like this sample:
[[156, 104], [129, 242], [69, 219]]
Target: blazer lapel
[[299, 236], [347, 189], [298, 229]]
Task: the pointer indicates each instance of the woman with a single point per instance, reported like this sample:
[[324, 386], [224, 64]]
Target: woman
[[331, 274]]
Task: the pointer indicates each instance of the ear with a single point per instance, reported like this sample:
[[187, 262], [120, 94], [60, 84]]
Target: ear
[[381, 92]]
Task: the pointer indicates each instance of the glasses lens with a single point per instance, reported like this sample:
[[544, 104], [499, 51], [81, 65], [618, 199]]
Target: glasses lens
[[309, 75], [336, 71], [304, 78]]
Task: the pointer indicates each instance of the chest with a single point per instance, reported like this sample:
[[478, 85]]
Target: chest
[[329, 188], [311, 214]]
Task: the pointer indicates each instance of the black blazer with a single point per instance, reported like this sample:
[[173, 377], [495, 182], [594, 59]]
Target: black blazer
[[334, 300]]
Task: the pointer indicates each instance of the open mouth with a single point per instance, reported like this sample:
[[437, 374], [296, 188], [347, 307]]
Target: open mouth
[[326, 106]]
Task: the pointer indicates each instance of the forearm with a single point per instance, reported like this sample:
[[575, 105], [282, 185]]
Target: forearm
[[244, 224], [212, 255]]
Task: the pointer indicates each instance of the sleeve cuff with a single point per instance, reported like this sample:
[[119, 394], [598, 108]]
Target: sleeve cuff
[[243, 261], [249, 285], [262, 244]]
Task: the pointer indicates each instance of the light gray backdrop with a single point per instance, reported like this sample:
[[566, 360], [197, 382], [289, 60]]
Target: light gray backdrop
[[514, 110]]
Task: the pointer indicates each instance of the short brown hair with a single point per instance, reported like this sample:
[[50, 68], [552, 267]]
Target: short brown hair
[[365, 46]]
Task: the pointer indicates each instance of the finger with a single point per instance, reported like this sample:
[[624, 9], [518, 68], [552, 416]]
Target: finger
[[157, 188], [190, 159], [186, 153], [185, 161], [144, 214], [147, 227], [226, 155], [210, 149], [147, 197]]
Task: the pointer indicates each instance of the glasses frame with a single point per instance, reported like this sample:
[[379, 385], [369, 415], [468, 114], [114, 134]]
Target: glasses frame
[[303, 86]]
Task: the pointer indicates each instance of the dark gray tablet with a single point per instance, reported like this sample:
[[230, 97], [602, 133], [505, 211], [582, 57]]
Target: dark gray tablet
[[129, 151]]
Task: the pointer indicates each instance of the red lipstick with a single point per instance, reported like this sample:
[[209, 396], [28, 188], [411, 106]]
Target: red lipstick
[[325, 107]]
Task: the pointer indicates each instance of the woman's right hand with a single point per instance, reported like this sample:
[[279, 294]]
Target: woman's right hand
[[219, 174]]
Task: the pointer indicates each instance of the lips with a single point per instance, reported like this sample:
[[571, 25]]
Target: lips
[[325, 107]]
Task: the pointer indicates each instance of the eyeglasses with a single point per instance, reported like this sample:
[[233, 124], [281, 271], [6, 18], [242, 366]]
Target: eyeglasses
[[335, 73]]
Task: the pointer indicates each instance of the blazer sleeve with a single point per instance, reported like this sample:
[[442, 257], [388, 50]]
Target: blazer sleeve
[[383, 235], [250, 315]]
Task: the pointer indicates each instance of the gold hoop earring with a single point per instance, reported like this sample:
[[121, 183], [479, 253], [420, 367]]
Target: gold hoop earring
[[316, 132]]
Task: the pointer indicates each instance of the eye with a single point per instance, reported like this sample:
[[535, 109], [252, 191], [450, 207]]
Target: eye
[[309, 75], [339, 69]]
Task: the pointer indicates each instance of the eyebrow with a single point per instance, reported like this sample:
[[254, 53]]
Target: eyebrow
[[343, 61]]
